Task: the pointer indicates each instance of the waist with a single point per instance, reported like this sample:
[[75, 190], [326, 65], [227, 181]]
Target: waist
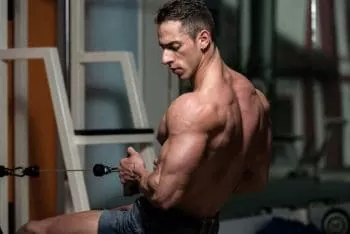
[[173, 214]]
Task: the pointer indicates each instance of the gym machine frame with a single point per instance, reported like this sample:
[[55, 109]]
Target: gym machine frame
[[68, 137]]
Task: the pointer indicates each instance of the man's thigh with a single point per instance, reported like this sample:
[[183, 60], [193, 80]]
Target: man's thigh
[[82, 222]]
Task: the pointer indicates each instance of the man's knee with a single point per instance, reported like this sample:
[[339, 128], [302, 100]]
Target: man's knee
[[32, 227]]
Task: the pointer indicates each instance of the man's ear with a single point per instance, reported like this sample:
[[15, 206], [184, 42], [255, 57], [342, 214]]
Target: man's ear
[[204, 39]]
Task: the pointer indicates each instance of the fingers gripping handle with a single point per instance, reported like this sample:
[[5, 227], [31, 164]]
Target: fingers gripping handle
[[130, 188], [100, 170]]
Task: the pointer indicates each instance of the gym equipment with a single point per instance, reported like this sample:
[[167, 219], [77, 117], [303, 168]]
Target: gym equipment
[[336, 221], [4, 117], [98, 170], [71, 140]]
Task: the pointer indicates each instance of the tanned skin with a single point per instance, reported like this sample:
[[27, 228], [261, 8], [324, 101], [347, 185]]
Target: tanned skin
[[215, 140]]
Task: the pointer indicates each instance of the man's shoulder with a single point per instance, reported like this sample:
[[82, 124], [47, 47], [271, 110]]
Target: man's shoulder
[[263, 99], [190, 111], [245, 89], [185, 100]]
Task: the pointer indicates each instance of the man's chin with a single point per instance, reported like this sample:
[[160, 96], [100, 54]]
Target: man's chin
[[178, 74], [182, 77]]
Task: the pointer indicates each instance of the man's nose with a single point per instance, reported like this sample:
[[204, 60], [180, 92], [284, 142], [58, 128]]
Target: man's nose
[[167, 58]]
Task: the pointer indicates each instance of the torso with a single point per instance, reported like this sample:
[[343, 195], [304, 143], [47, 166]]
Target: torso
[[237, 156]]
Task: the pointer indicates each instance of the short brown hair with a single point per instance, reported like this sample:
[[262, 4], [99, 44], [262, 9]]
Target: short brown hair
[[193, 14]]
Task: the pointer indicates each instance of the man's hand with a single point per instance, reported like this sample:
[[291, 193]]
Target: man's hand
[[132, 167], [155, 163]]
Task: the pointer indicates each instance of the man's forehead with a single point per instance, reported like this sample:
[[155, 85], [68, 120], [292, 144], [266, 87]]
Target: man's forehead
[[170, 31], [170, 26]]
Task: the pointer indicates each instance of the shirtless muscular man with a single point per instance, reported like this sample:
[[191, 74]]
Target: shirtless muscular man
[[215, 141]]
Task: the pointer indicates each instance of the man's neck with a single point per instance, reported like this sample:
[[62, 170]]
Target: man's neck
[[211, 57]]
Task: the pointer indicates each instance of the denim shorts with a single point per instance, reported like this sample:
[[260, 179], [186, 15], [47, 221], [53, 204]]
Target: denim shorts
[[120, 222], [143, 218]]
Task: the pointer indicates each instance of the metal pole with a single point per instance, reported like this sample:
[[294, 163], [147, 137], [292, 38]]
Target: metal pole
[[262, 47], [21, 113], [63, 45], [267, 46], [4, 221]]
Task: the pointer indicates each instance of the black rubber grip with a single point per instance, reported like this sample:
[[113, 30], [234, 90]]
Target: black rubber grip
[[33, 171], [100, 170], [3, 171]]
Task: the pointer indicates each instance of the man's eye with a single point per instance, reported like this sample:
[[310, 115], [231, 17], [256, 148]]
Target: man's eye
[[175, 48]]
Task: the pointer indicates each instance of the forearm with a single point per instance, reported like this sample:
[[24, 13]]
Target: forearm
[[162, 195], [158, 195], [148, 183]]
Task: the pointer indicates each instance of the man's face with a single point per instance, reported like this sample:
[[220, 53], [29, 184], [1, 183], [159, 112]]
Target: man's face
[[180, 52]]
